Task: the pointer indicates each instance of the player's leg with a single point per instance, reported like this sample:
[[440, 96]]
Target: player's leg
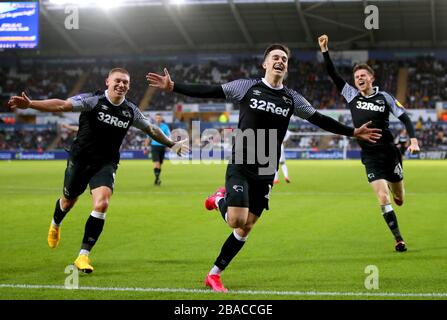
[[75, 182], [276, 179], [380, 188], [155, 151], [398, 191], [101, 185], [244, 220], [229, 250], [395, 176]]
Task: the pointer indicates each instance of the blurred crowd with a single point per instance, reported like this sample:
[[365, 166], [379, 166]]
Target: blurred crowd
[[427, 81]]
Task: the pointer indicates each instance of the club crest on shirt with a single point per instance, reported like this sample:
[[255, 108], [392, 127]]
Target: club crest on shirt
[[104, 107], [126, 113], [256, 92], [287, 100]]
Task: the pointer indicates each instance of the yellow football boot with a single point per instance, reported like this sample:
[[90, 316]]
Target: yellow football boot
[[83, 263], [54, 235]]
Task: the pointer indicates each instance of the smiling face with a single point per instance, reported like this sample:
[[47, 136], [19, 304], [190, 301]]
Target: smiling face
[[118, 84], [275, 64]]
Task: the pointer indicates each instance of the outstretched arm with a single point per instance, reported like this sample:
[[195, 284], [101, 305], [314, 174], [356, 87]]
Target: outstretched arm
[[335, 76], [414, 145], [49, 105], [164, 82], [179, 147], [363, 133]]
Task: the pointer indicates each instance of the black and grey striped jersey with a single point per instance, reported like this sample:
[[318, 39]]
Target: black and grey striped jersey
[[377, 108], [103, 126], [264, 108]]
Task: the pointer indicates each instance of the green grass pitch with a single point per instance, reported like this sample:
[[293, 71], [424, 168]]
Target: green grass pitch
[[320, 234]]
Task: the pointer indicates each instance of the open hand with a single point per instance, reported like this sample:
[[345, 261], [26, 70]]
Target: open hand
[[367, 134], [162, 82], [181, 148], [19, 102]]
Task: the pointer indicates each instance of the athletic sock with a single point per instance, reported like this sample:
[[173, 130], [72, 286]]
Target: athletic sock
[[59, 214], [215, 270], [391, 221], [276, 176], [285, 170], [223, 207], [229, 250], [157, 172], [93, 229]]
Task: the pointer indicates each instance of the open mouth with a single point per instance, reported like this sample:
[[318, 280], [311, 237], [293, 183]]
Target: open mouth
[[119, 91], [278, 67], [361, 83]]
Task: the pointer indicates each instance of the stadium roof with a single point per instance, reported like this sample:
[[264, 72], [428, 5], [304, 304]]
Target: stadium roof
[[147, 26]]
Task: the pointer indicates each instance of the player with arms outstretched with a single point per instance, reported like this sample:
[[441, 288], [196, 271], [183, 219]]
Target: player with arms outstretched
[[105, 118], [266, 105]]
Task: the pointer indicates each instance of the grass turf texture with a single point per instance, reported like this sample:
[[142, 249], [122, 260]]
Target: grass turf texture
[[321, 232]]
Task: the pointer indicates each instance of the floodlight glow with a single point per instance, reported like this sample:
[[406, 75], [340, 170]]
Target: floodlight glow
[[178, 2]]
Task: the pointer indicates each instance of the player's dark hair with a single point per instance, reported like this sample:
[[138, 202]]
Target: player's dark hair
[[122, 70], [276, 46], [363, 66]]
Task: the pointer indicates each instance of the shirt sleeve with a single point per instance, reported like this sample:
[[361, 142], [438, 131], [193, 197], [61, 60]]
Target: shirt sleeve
[[236, 90], [301, 107], [83, 102], [396, 107], [349, 92], [140, 121]]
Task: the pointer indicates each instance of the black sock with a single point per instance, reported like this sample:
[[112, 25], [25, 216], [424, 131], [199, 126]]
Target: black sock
[[223, 207], [157, 173], [59, 215], [93, 229], [391, 221], [229, 250]]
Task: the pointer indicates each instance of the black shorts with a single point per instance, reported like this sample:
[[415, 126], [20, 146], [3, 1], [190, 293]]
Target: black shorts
[[78, 175], [383, 163], [158, 153], [246, 192]]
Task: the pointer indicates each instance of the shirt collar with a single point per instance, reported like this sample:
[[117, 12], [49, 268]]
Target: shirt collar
[[270, 86], [108, 99]]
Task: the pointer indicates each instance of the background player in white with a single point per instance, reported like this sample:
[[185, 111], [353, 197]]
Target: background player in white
[[282, 161], [105, 118]]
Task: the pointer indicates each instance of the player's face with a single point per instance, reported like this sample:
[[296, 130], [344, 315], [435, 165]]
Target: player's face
[[276, 63], [118, 84], [158, 119], [363, 80]]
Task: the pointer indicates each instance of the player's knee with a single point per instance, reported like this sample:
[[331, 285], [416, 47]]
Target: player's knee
[[67, 204], [245, 230], [101, 205], [384, 197], [236, 222]]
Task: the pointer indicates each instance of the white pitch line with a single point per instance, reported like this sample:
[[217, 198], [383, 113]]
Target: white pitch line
[[238, 292]]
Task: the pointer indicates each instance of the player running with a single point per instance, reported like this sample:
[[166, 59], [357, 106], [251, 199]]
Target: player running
[[382, 160], [265, 105], [105, 118]]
